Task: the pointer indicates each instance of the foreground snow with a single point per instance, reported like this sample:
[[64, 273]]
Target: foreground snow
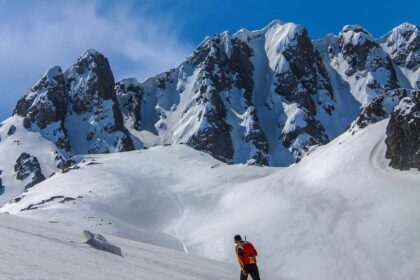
[[37, 250], [340, 213]]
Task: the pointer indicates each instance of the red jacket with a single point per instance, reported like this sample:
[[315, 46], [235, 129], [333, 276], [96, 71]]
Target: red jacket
[[246, 253]]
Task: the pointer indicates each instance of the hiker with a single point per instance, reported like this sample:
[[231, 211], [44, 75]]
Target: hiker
[[246, 255]]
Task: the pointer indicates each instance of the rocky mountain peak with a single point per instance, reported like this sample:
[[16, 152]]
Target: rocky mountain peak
[[52, 77], [403, 45], [77, 110], [360, 62], [89, 80], [356, 44], [355, 28], [46, 102]]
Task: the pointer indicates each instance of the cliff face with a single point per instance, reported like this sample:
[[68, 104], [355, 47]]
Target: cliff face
[[403, 134], [77, 110]]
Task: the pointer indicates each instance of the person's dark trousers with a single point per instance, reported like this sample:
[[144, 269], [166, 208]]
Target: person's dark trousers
[[251, 269]]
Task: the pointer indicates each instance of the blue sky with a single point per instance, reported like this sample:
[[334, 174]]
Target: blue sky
[[143, 38]]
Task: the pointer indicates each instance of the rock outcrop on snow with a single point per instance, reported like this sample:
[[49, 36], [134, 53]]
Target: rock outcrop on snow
[[129, 95], [27, 169], [380, 108], [11, 131], [99, 242], [403, 134]]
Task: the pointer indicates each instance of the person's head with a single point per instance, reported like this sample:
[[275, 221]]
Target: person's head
[[237, 239]]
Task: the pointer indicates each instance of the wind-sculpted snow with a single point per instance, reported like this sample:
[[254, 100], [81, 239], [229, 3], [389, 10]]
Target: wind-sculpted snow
[[340, 213]]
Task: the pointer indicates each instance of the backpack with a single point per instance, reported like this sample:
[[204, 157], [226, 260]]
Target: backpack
[[250, 253]]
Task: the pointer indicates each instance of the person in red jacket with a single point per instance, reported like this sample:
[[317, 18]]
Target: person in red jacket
[[247, 258]]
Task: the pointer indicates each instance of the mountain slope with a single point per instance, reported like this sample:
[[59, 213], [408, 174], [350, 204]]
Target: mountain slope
[[341, 213], [36, 250]]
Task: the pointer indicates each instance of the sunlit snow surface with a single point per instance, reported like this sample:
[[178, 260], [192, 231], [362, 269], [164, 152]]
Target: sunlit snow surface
[[38, 250], [341, 213]]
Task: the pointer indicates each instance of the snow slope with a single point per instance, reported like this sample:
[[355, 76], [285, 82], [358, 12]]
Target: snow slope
[[37, 250], [341, 213], [13, 146]]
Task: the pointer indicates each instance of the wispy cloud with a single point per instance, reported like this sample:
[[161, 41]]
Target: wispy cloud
[[36, 35]]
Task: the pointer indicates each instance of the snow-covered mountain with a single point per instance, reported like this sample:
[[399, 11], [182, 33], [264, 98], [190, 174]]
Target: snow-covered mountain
[[64, 114], [266, 97], [403, 46]]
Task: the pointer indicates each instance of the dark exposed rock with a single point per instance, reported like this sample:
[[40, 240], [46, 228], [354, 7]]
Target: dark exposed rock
[[214, 138], [380, 108], [67, 169], [62, 162], [403, 134], [99, 242], [305, 77], [240, 63], [85, 89], [51, 104], [95, 94], [129, 93], [17, 199], [364, 55], [28, 166], [45, 105], [256, 136], [299, 146], [164, 79], [84, 93], [403, 45], [11, 130], [61, 198], [225, 70]]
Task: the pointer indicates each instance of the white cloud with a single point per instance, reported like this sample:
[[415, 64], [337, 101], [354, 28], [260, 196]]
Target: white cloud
[[36, 35]]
